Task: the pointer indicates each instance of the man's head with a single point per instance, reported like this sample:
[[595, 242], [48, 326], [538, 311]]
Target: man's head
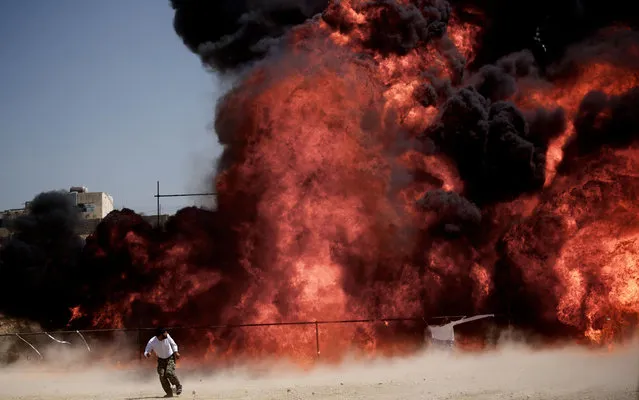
[[161, 333]]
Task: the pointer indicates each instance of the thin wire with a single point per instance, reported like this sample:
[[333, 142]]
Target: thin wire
[[84, 340], [30, 345], [231, 326], [56, 340]]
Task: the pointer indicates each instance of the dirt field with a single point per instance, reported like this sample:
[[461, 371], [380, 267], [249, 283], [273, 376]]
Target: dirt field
[[511, 373]]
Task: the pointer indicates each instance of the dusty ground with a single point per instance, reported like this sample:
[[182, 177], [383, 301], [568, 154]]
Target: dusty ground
[[511, 373]]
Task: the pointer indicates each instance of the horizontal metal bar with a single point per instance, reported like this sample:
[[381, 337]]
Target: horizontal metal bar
[[227, 326], [184, 195]]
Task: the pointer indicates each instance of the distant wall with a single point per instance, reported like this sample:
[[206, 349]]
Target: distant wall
[[94, 205]]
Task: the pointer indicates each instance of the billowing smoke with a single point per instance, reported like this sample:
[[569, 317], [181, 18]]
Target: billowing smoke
[[603, 121], [39, 263], [395, 159], [227, 34]]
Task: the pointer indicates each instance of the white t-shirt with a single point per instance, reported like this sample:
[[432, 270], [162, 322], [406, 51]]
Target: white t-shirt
[[162, 348]]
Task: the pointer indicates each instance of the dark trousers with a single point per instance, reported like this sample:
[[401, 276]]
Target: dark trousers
[[166, 370]]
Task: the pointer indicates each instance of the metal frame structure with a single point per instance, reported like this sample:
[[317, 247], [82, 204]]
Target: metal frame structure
[[140, 330], [158, 196]]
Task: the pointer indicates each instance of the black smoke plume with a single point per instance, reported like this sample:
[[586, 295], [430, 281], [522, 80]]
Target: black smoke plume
[[39, 263], [492, 145], [227, 34], [603, 121], [454, 213]]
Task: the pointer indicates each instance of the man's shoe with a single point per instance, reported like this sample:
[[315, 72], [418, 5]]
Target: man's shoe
[[168, 395], [178, 390]]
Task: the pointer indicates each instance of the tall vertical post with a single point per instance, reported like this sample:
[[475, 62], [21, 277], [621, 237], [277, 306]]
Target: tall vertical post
[[317, 349], [158, 202], [510, 324], [140, 349]]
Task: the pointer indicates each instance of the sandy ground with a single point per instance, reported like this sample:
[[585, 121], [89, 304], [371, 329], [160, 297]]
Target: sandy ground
[[511, 373]]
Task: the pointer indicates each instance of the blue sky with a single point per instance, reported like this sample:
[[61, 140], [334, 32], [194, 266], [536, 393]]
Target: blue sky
[[102, 94]]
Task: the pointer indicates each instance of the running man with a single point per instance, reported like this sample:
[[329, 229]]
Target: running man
[[165, 348]]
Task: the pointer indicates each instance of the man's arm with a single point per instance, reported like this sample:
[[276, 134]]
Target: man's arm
[[149, 347], [476, 317], [173, 345]]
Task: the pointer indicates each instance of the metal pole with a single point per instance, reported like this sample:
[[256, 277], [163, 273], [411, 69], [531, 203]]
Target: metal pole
[[317, 349], [509, 314], [140, 344], [187, 195], [158, 199]]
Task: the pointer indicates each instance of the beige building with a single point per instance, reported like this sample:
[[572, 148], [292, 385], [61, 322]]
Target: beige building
[[92, 205], [6, 219], [15, 212]]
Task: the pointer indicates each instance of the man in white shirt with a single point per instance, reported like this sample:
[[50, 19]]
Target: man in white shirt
[[443, 336], [165, 348]]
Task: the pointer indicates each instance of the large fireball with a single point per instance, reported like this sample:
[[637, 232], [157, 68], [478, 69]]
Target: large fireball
[[373, 168]]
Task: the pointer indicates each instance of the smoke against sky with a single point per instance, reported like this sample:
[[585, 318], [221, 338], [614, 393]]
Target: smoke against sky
[[39, 263], [228, 33]]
